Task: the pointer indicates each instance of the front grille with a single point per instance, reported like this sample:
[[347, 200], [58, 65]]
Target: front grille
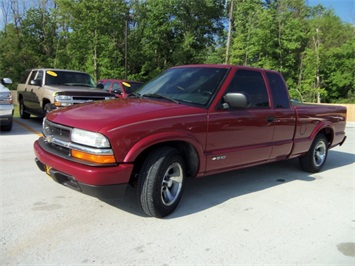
[[56, 140], [56, 131], [57, 137], [89, 98]]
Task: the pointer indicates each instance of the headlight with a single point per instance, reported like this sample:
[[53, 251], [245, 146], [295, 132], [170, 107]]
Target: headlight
[[89, 138], [63, 100], [5, 98], [110, 97]]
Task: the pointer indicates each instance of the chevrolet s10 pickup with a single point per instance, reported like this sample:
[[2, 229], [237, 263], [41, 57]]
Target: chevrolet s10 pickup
[[190, 121]]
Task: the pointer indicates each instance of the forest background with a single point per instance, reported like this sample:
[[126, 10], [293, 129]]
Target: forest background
[[137, 39]]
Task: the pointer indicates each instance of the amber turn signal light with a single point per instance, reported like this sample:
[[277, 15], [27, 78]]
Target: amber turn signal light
[[99, 159]]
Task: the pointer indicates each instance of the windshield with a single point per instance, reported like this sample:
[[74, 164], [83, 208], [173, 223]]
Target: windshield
[[131, 87], [194, 85], [69, 78]]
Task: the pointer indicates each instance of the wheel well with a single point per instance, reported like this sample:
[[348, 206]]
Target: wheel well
[[44, 102], [328, 133], [187, 151]]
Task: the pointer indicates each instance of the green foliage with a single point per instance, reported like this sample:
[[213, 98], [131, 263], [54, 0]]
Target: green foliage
[[311, 46]]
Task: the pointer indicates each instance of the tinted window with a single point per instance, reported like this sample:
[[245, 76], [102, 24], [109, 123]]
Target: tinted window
[[40, 75], [278, 90], [195, 85], [57, 77], [250, 83], [133, 86], [116, 87], [107, 86], [33, 75]]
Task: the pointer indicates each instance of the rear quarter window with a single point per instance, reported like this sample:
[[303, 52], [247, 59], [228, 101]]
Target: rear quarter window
[[278, 90]]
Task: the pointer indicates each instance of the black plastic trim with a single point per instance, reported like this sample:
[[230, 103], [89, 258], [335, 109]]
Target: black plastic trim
[[102, 192]]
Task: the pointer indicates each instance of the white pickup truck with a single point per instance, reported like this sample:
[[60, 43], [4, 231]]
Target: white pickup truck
[[6, 106]]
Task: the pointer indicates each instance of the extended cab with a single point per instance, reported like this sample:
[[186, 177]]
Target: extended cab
[[190, 121], [43, 90]]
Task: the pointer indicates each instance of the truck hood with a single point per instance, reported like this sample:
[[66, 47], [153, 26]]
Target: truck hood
[[109, 114], [76, 90]]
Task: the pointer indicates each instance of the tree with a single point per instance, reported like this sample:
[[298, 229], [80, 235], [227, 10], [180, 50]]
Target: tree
[[96, 35], [327, 68], [311, 46], [173, 32]]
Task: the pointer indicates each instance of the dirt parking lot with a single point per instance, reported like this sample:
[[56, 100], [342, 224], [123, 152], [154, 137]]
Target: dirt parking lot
[[270, 214]]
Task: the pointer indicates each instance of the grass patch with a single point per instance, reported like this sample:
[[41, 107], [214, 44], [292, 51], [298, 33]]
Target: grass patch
[[16, 111]]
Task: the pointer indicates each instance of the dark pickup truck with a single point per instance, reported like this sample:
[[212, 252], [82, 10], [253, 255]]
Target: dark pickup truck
[[46, 89], [190, 121]]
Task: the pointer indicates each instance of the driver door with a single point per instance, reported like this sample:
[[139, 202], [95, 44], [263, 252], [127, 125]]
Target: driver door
[[241, 137]]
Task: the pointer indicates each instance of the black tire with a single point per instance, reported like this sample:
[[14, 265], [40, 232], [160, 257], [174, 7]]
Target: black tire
[[161, 182], [47, 108], [23, 113], [316, 157]]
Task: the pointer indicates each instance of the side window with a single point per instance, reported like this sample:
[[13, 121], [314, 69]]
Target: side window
[[40, 75], [116, 87], [252, 84], [278, 90], [107, 86], [33, 75]]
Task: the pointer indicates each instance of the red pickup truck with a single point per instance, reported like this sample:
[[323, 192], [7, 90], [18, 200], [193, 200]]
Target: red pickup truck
[[190, 121]]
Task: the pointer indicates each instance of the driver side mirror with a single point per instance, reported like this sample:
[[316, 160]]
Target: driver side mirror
[[100, 86], [117, 91], [36, 82], [6, 81], [235, 100]]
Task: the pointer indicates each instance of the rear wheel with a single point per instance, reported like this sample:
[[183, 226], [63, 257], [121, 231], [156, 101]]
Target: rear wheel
[[23, 113], [160, 182], [315, 158]]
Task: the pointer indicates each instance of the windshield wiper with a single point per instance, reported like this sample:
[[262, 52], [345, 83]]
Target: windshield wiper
[[160, 96], [135, 95], [78, 84]]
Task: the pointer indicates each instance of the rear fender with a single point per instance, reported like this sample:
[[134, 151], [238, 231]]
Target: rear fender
[[325, 128], [303, 144]]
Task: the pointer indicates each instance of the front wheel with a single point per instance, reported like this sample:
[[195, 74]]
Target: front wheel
[[160, 182], [315, 158], [47, 108]]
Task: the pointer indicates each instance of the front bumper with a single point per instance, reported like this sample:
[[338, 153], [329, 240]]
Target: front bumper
[[6, 114], [6, 110], [100, 182]]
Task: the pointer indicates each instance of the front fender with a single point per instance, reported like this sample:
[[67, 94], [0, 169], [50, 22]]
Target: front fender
[[166, 137]]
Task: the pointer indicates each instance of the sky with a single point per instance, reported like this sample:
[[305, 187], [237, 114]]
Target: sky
[[345, 9]]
